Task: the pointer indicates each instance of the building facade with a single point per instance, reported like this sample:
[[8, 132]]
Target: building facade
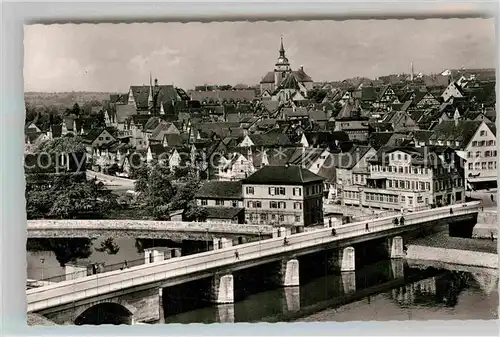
[[412, 179], [283, 196]]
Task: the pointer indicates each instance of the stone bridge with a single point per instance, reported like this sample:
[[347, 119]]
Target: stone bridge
[[135, 293]]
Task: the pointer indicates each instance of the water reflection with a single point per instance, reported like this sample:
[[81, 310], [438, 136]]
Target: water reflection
[[368, 294]]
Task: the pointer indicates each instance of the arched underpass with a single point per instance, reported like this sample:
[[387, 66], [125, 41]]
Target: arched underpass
[[105, 313]]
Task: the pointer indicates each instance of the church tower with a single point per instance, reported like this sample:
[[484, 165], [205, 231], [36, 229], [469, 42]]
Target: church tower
[[282, 66]]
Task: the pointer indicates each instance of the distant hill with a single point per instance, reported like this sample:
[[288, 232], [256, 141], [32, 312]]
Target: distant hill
[[65, 99]]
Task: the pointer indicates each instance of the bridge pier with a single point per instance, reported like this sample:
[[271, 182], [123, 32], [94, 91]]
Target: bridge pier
[[290, 273], [347, 258], [396, 248], [222, 289]]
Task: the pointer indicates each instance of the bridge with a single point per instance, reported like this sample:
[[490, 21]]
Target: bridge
[[65, 301], [144, 229]]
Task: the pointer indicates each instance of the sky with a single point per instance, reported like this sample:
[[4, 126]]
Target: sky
[[111, 57]]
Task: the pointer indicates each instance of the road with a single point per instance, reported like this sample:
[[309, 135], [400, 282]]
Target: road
[[114, 183]]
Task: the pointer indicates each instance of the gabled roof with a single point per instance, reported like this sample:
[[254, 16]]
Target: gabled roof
[[166, 93], [282, 175], [270, 139], [461, 131], [220, 190], [93, 134], [379, 139]]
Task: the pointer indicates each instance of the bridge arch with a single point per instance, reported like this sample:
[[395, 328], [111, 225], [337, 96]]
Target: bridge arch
[[105, 312]]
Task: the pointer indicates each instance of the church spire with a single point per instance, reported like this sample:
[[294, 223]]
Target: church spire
[[150, 96], [282, 49]]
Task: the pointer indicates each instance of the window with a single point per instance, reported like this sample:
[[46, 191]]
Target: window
[[282, 204], [390, 183], [234, 203], [281, 191], [263, 217], [250, 204], [469, 154], [478, 153], [406, 157], [399, 156], [482, 133], [477, 166], [407, 184], [250, 190], [107, 138], [101, 138], [204, 202], [487, 153], [282, 218], [420, 200], [406, 169], [219, 202], [297, 218], [426, 201], [403, 198], [427, 186], [257, 204], [474, 143], [392, 156], [410, 200], [273, 204], [483, 165], [422, 186], [481, 143], [271, 191], [297, 205], [401, 184], [490, 165]]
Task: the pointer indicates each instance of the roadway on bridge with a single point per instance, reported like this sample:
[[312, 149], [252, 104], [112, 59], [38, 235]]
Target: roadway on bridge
[[201, 264]]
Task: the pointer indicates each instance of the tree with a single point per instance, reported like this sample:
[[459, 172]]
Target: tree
[[153, 183], [316, 95], [76, 109]]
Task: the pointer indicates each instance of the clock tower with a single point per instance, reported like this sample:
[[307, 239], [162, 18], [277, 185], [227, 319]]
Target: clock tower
[[282, 66]]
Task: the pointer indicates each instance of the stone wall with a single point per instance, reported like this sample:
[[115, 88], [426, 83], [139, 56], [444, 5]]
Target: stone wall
[[454, 256], [140, 228]]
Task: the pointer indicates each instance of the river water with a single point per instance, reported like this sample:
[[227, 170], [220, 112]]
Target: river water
[[416, 294]]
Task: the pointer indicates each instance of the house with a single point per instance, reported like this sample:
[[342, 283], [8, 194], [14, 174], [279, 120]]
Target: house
[[230, 215], [400, 121], [283, 196], [222, 194], [453, 90], [270, 139], [411, 178], [98, 137], [476, 143], [236, 166], [386, 97], [351, 173]]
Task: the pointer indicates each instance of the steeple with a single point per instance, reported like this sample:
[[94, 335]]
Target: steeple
[[150, 96], [282, 49]]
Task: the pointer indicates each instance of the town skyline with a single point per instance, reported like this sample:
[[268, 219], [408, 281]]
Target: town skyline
[[111, 57]]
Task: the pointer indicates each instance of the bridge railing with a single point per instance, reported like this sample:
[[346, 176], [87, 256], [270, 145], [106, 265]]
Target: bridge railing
[[70, 291]]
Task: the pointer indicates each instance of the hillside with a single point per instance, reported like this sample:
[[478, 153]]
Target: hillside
[[64, 99]]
